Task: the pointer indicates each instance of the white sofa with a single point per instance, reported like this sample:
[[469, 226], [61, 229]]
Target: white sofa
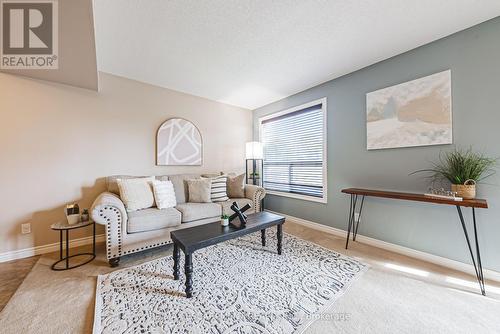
[[130, 232]]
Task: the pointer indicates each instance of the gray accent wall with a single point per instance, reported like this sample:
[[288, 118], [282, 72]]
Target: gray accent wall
[[473, 55]]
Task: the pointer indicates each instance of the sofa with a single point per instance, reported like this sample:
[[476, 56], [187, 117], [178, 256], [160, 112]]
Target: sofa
[[131, 232]]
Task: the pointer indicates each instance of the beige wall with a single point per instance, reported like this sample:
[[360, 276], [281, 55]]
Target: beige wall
[[58, 142]]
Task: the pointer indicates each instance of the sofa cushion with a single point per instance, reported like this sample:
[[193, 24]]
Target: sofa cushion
[[196, 211], [226, 206], [180, 185], [152, 219]]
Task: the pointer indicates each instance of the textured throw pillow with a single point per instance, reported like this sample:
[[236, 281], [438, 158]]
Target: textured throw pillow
[[219, 189], [199, 190], [164, 194], [136, 194], [236, 186]]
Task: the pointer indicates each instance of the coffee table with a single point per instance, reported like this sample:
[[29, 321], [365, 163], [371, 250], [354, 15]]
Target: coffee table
[[198, 237]]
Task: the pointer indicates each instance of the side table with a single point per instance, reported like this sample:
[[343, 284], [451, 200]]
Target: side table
[[65, 227]]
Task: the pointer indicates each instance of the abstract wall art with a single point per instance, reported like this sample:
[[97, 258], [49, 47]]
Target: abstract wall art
[[178, 143], [414, 113]]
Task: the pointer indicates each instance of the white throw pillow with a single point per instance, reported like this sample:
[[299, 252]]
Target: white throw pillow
[[136, 194], [164, 194]]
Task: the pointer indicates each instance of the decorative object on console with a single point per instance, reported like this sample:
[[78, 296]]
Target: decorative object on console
[[441, 193], [72, 213], [178, 143], [463, 169], [224, 220], [239, 213], [254, 163], [164, 194], [414, 113]]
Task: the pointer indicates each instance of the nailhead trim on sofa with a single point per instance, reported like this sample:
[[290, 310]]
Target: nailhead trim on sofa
[[105, 213]]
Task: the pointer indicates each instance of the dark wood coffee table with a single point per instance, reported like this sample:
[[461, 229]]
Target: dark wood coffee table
[[198, 237]]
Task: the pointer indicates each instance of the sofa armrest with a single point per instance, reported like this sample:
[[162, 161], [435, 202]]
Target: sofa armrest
[[109, 210], [103, 202], [256, 194]]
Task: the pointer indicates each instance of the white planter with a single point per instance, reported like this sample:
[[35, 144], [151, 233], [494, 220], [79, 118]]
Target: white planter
[[73, 219], [224, 222]]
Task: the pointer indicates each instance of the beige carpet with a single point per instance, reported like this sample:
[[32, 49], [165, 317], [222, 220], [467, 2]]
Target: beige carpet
[[381, 301]]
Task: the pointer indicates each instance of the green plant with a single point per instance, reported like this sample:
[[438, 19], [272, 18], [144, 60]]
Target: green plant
[[459, 166], [224, 217]]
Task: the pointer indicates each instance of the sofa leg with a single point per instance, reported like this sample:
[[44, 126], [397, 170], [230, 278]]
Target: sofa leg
[[114, 262]]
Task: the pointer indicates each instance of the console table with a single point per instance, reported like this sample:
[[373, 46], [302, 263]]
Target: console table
[[353, 221]]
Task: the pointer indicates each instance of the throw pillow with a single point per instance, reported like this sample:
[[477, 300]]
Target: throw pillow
[[199, 190], [236, 186], [219, 189], [164, 194], [136, 194], [210, 175]]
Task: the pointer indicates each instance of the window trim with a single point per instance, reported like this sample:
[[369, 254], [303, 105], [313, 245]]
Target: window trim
[[324, 109]]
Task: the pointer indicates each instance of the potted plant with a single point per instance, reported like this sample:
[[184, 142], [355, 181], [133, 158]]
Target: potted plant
[[224, 220], [464, 169]]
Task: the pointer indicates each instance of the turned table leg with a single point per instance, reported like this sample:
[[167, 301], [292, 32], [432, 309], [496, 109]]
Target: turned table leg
[[280, 238], [176, 256], [188, 269]]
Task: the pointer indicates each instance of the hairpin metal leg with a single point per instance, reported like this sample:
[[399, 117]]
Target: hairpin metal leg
[[353, 223], [355, 231], [349, 223], [476, 260]]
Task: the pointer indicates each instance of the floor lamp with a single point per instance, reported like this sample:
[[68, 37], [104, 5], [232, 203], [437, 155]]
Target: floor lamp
[[254, 163]]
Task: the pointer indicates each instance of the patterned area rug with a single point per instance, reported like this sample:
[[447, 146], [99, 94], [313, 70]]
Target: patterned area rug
[[239, 287]]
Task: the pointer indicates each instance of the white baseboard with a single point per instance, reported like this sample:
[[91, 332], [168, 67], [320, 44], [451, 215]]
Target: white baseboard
[[32, 251], [448, 263]]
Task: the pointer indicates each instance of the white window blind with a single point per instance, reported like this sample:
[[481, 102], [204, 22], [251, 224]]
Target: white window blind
[[294, 149]]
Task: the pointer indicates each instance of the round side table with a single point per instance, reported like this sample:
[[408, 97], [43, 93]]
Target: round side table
[[65, 227]]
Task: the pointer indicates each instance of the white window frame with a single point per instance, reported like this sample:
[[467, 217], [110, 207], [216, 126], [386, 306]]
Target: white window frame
[[324, 109]]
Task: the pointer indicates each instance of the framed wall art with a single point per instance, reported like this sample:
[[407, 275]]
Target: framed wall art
[[178, 143]]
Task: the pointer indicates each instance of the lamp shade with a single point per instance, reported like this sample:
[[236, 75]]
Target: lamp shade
[[254, 150]]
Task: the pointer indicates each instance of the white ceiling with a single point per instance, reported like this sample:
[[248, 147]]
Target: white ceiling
[[250, 53]]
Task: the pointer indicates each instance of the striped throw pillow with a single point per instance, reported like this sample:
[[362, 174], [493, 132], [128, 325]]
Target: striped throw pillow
[[219, 189]]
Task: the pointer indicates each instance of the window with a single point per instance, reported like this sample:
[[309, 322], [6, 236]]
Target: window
[[294, 143]]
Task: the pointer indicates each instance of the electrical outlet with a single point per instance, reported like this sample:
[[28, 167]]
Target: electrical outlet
[[26, 228], [356, 216]]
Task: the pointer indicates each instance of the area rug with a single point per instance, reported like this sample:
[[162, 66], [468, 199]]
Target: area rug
[[239, 287]]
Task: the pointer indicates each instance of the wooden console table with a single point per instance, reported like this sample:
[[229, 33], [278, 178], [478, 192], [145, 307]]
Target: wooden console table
[[353, 221]]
